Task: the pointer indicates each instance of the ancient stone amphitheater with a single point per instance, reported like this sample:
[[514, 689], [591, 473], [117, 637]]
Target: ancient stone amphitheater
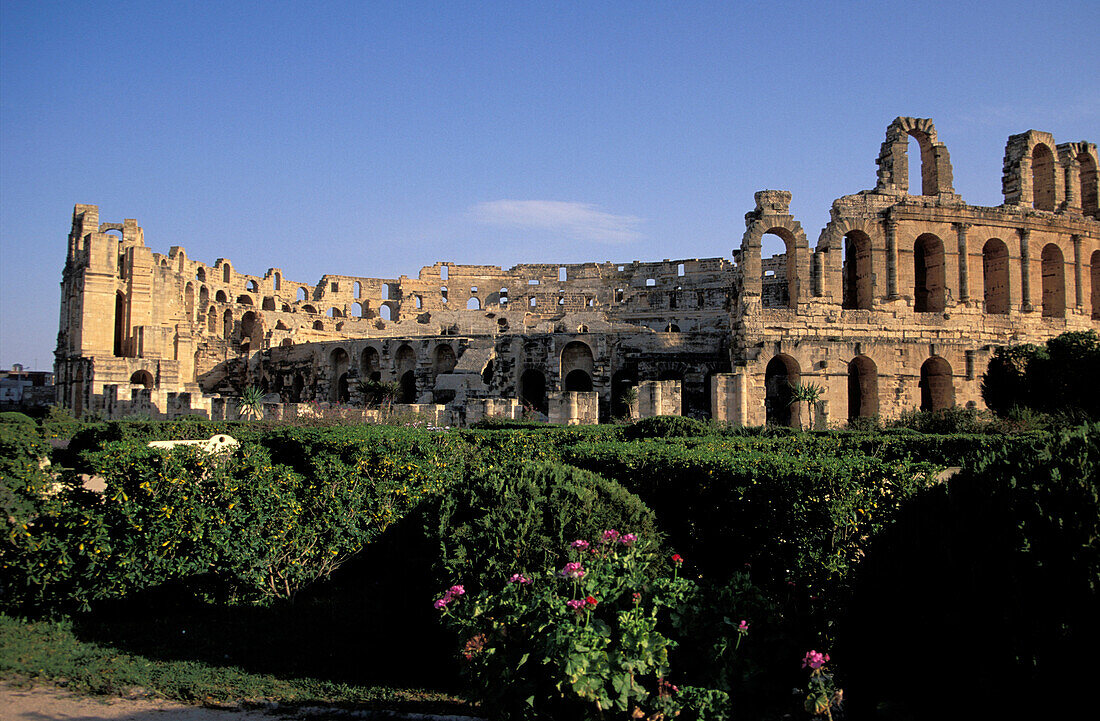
[[898, 306]]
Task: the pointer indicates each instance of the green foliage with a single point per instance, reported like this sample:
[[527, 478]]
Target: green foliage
[[945, 421], [584, 642], [252, 404], [25, 484], [807, 393], [1059, 375], [15, 418], [516, 517], [668, 427], [379, 393], [59, 423]]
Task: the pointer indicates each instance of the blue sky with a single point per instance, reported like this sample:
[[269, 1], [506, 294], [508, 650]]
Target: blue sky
[[371, 138]]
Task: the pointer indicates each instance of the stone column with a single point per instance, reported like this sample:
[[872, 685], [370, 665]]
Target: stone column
[[891, 259], [1078, 292], [964, 272], [1025, 270]]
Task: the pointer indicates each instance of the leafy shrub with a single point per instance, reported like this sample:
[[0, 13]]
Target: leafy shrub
[[583, 642], [1059, 375], [989, 584], [24, 482], [516, 518], [943, 422], [59, 423], [668, 427], [15, 418]]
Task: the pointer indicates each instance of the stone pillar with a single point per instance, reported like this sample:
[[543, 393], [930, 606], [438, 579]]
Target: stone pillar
[[1025, 270], [728, 398], [821, 415], [891, 259], [658, 398], [574, 408], [964, 269], [1078, 261]]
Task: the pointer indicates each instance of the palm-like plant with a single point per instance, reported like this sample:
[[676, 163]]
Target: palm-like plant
[[808, 393], [252, 404]]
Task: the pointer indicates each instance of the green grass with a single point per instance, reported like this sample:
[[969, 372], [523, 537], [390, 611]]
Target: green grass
[[53, 651]]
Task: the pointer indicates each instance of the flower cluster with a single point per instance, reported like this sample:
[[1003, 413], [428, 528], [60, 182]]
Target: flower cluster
[[579, 605], [518, 578], [573, 570], [677, 559], [814, 660], [452, 593], [579, 544], [610, 536], [743, 628]]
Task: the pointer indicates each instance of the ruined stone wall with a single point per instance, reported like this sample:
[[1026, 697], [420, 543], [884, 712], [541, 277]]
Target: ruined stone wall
[[898, 306]]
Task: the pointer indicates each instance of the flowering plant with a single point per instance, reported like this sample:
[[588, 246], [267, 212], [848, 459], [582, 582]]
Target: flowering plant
[[822, 695], [583, 640]]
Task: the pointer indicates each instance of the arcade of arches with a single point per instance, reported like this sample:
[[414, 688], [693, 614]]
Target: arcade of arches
[[897, 305]]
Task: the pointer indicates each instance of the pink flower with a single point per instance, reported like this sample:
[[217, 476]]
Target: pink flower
[[814, 660], [581, 544], [441, 603], [591, 601], [519, 578], [744, 626], [677, 559], [576, 605], [457, 591], [628, 539], [610, 535], [573, 570]]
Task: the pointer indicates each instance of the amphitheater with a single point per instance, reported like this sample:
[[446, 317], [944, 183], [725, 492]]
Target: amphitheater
[[898, 306]]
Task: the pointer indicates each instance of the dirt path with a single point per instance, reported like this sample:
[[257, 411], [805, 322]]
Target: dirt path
[[42, 703]]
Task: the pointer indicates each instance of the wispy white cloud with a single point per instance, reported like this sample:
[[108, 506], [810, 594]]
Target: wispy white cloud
[[580, 221]]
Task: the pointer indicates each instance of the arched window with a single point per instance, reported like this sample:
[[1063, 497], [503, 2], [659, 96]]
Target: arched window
[[370, 364], [385, 312], [920, 159], [318, 325], [929, 275], [1042, 177], [309, 309], [473, 304], [781, 373], [204, 298], [577, 366], [937, 391], [212, 321], [244, 300], [227, 324], [862, 388], [226, 273], [268, 303], [1089, 183], [200, 275], [278, 281], [252, 286], [302, 294], [405, 367], [338, 363], [221, 297], [857, 271], [358, 310], [357, 289], [995, 275], [1054, 282], [143, 379], [778, 280], [189, 302], [122, 331], [444, 360], [335, 313], [532, 390]]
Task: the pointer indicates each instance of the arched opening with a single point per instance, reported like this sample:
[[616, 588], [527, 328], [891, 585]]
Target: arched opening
[[221, 297], [244, 300], [995, 275], [268, 303], [286, 343], [385, 312], [189, 302], [444, 359], [204, 298], [862, 388], [532, 390], [335, 313], [143, 379], [781, 373], [227, 324], [297, 388], [778, 278], [121, 330], [473, 304], [302, 294], [937, 391], [357, 289], [225, 273], [1089, 183], [621, 383], [318, 325], [1054, 282], [252, 286], [405, 365], [212, 320], [358, 310], [487, 373], [200, 275], [309, 309], [286, 308], [338, 362], [371, 364], [857, 271], [1094, 278], [920, 159], [251, 330], [278, 281], [672, 328], [576, 356], [929, 275], [1042, 177], [279, 325], [578, 380]]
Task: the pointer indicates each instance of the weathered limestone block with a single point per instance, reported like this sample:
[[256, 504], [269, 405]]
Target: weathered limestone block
[[574, 408], [659, 398], [478, 408], [728, 398], [220, 443]]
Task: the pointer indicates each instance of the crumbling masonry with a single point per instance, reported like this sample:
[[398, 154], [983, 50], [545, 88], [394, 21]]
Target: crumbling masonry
[[897, 307]]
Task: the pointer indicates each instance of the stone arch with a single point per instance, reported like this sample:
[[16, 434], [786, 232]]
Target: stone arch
[[268, 303], [142, 378], [357, 290], [621, 382], [358, 310], [307, 308], [200, 274], [244, 300], [204, 297], [338, 362], [995, 276], [1089, 181], [1054, 281], [781, 373], [318, 325], [1043, 174], [252, 286], [251, 330], [444, 359], [227, 273], [227, 324], [779, 281], [894, 161], [212, 320], [937, 390], [929, 274], [386, 312], [370, 364], [771, 216], [303, 294], [532, 390], [862, 388], [1094, 278], [473, 303], [857, 271], [189, 301], [221, 297], [576, 356], [335, 312], [278, 281]]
